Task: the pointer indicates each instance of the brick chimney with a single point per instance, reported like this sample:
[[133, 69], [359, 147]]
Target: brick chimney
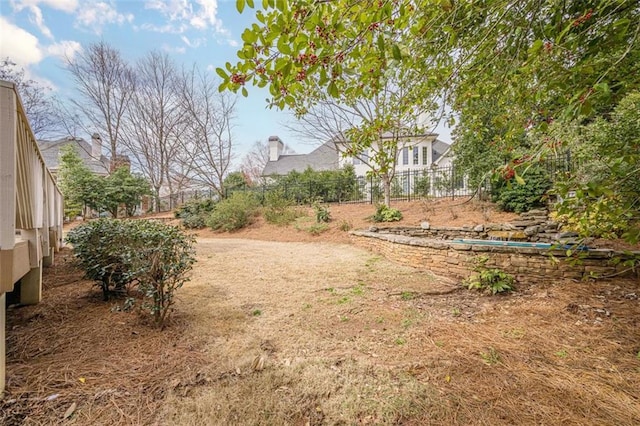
[[276, 147], [96, 146]]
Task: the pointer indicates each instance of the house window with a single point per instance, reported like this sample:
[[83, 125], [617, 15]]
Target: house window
[[361, 158], [405, 156], [415, 155], [425, 155]]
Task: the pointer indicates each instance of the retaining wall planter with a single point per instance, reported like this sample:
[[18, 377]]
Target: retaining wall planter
[[455, 259]]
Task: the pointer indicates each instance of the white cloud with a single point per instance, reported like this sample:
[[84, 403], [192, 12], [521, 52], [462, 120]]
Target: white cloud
[[168, 28], [194, 43], [209, 11], [183, 15], [66, 49], [95, 15], [36, 18], [64, 5], [23, 48], [26, 50], [171, 49]]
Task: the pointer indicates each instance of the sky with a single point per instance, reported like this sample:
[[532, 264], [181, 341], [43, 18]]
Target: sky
[[38, 34]]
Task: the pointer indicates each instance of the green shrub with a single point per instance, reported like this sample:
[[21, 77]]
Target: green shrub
[[98, 246], [422, 186], [149, 255], [327, 185], [280, 210], [512, 196], [489, 280], [195, 212], [194, 207], [234, 213], [323, 215], [386, 214], [345, 226]]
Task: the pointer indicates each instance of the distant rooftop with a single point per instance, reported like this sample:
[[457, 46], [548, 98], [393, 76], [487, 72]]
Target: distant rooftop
[[51, 154], [325, 157]]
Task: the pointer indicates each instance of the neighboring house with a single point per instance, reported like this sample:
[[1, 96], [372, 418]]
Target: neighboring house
[[424, 166], [325, 157], [415, 153], [90, 153]]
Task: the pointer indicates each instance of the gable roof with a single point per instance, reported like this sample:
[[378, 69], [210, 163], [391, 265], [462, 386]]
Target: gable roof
[[325, 157], [439, 149], [51, 151]]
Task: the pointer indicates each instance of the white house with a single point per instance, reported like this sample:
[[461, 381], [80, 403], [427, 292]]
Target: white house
[[424, 166], [415, 153]]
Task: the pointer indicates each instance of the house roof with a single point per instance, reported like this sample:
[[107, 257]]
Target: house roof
[[439, 149], [51, 154], [325, 157]]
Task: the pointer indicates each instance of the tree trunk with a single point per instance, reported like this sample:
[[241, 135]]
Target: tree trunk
[[156, 196], [386, 185]]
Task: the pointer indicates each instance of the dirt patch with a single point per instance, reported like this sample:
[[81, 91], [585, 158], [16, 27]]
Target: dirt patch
[[345, 217], [270, 332]]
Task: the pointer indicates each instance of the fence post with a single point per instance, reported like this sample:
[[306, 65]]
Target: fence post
[[453, 184], [370, 189]]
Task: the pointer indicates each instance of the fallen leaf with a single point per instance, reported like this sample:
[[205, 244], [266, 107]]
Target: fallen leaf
[[82, 379], [70, 411]]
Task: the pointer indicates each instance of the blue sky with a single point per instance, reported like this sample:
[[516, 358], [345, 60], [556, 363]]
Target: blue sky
[[37, 34]]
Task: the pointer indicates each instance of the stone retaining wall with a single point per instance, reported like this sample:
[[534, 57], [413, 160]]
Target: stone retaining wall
[[534, 226], [527, 264]]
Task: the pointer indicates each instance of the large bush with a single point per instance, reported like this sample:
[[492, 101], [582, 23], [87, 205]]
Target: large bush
[[152, 257], [280, 210], [602, 194], [310, 185], [235, 212], [513, 196], [194, 212]]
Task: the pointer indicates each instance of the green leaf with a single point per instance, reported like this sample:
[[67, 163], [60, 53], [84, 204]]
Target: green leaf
[[519, 180], [332, 89], [283, 45], [240, 5], [381, 44], [245, 93], [397, 54], [535, 47], [223, 75], [250, 4]]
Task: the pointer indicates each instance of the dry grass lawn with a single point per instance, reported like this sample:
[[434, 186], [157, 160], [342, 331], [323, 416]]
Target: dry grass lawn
[[318, 332]]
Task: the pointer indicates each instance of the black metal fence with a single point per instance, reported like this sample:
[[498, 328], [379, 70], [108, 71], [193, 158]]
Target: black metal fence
[[406, 185]]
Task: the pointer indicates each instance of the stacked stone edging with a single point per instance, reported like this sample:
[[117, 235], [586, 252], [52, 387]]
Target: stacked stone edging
[[527, 264], [533, 226]]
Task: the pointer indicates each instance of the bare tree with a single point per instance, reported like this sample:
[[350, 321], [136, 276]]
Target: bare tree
[[155, 121], [372, 130], [106, 84], [254, 161], [38, 104], [208, 139]]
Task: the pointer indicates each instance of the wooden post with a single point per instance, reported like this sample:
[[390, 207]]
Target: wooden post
[[7, 208], [3, 348], [31, 283]]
